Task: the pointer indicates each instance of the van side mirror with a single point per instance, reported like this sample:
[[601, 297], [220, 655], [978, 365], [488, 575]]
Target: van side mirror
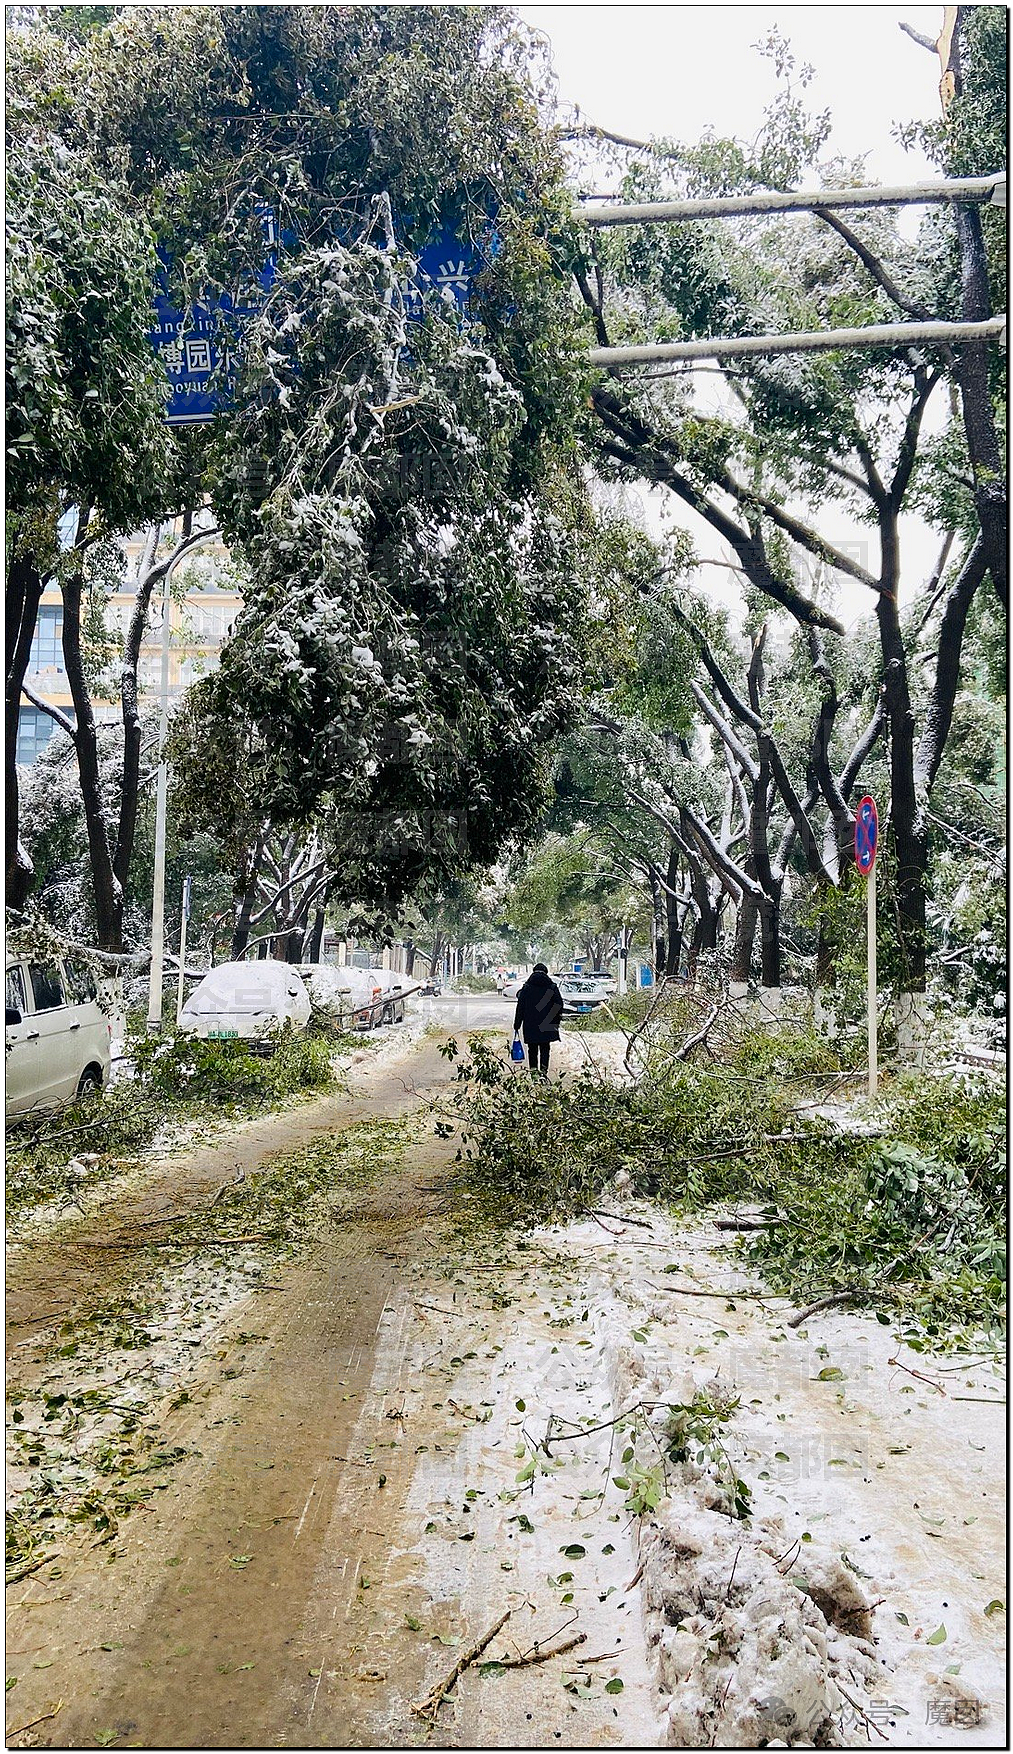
[[13, 1015]]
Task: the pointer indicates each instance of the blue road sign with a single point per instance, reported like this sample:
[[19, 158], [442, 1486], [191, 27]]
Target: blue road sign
[[197, 346], [866, 835]]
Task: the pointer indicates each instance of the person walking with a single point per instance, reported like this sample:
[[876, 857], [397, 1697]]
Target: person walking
[[538, 1014]]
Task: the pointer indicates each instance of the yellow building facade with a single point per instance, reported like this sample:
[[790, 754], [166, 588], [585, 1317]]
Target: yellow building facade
[[199, 621]]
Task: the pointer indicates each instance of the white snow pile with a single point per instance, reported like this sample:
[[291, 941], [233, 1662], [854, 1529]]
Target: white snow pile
[[757, 1639]]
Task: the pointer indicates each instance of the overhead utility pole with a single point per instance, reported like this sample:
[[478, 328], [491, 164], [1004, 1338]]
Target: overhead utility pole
[[964, 190], [737, 347], [970, 190]]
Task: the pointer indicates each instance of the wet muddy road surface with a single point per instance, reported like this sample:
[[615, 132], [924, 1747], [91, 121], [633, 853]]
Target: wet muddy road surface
[[278, 1589], [359, 1491]]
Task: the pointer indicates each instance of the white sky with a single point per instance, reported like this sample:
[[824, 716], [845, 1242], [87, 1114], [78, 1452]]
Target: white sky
[[678, 70]]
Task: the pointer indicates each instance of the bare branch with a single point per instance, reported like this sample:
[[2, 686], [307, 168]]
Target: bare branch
[[731, 873], [917, 37], [926, 383], [801, 533], [936, 585], [735, 705], [594, 304], [283, 889], [647, 453], [725, 732], [45, 706], [874, 266], [951, 633], [865, 743]]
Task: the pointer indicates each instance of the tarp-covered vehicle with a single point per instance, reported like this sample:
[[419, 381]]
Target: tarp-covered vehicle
[[247, 1001]]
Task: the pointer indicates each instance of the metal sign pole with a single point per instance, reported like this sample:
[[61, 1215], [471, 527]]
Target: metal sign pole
[[866, 848], [870, 934], [184, 917]]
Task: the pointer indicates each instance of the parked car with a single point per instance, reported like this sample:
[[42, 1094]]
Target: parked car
[[358, 998], [329, 991], [582, 993], [512, 986], [392, 984], [246, 1001], [431, 987], [57, 1037]]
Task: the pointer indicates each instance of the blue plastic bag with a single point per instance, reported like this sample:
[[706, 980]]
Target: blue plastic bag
[[517, 1049]]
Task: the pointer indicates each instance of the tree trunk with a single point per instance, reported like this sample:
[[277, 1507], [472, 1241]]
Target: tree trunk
[[705, 931], [908, 828], [770, 939], [672, 920], [987, 466], [244, 894], [107, 888], [316, 937], [24, 593], [742, 946], [130, 708], [409, 956], [658, 912]]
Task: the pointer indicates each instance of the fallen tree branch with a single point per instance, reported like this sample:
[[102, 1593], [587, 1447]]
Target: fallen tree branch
[[870, 1722], [223, 1188], [596, 1212], [46, 1715], [27, 1569], [833, 1297], [604, 1657], [919, 1374], [729, 1296], [542, 1656], [429, 1707], [701, 1034]]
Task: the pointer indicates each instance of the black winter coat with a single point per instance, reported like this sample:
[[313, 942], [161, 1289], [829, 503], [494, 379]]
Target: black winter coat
[[539, 1009]]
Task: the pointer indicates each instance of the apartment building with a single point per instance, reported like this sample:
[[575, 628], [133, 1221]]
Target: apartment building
[[198, 624]]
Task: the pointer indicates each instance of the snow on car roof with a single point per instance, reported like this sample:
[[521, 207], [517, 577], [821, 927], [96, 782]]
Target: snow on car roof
[[253, 976]]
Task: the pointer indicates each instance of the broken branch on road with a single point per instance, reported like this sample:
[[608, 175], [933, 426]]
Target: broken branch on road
[[539, 1655], [429, 1707]]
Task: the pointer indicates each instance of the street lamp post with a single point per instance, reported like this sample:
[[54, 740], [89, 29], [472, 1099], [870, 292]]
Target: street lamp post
[[161, 795]]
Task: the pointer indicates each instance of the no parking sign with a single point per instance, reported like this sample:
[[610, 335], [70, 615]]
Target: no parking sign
[[866, 835]]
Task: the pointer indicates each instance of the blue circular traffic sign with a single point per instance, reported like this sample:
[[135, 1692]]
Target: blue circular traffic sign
[[866, 835]]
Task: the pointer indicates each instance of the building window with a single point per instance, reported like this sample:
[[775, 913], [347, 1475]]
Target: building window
[[213, 621], [47, 650], [34, 732]]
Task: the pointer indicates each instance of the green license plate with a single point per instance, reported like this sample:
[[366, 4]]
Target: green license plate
[[222, 1034]]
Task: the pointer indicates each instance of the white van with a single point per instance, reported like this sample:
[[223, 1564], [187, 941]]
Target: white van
[[246, 1001], [57, 1037]]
